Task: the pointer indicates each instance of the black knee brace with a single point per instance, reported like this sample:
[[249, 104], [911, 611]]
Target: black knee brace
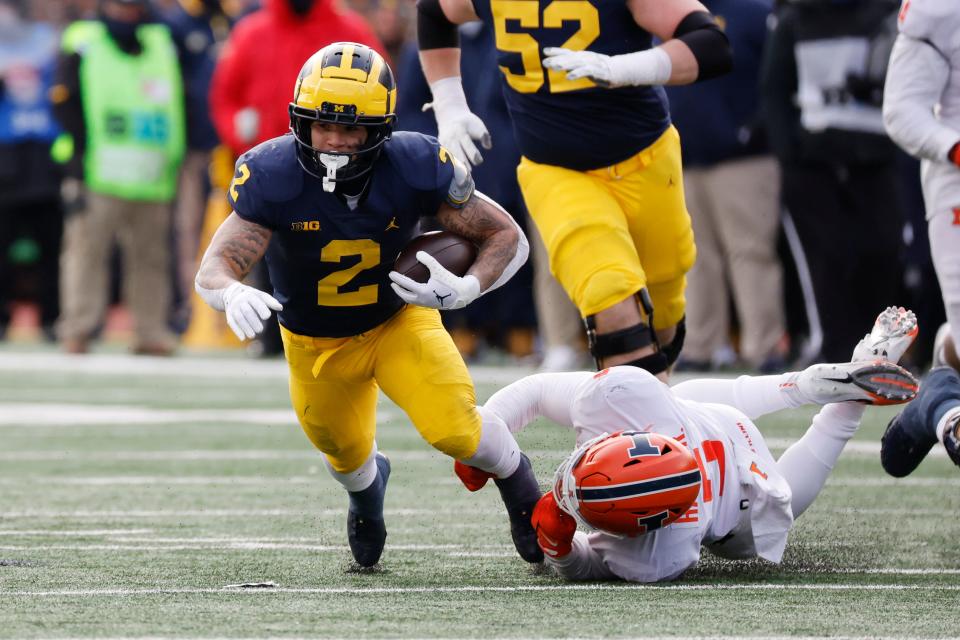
[[636, 337], [603, 345], [672, 350]]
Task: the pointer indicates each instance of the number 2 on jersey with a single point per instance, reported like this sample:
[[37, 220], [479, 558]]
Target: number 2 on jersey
[[527, 13], [328, 288]]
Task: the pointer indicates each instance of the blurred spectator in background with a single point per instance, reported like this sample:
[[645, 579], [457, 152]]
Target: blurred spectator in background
[[119, 94], [200, 29], [29, 179], [822, 86], [506, 316], [391, 22], [732, 186], [251, 83]]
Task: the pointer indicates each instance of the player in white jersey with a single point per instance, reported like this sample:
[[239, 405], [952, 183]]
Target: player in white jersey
[[921, 111], [710, 479]]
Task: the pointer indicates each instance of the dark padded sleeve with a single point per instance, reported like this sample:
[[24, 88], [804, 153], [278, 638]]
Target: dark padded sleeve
[[708, 42], [434, 30]]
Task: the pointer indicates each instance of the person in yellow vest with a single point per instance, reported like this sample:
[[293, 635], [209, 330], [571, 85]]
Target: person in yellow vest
[[118, 93]]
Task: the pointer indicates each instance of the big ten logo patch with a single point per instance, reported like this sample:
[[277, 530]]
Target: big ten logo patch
[[307, 225]]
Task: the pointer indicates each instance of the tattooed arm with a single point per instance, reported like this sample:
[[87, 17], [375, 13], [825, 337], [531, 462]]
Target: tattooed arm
[[503, 247], [236, 247]]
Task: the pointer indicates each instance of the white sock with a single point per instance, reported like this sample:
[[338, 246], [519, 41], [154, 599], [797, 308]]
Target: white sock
[[498, 452], [360, 478], [753, 395], [942, 425], [807, 463]]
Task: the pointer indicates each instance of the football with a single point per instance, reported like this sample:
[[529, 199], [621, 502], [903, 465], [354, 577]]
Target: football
[[454, 252]]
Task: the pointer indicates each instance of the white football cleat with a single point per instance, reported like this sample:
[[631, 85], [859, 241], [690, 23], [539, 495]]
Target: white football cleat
[[892, 334], [873, 382]]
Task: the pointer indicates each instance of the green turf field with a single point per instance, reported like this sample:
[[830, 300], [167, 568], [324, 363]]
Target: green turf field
[[135, 492]]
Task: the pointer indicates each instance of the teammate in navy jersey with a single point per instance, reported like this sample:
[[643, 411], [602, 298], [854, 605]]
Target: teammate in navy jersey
[[600, 172], [330, 205]]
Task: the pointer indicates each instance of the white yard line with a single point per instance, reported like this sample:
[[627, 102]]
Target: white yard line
[[476, 589], [306, 453], [200, 513], [78, 415], [52, 533], [726, 637], [856, 448], [226, 368], [134, 514], [256, 480]]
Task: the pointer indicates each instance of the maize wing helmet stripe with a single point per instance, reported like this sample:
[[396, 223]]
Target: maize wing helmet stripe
[[347, 74], [636, 489]]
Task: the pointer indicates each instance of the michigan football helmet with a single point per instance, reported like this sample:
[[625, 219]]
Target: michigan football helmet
[[348, 84], [627, 483]]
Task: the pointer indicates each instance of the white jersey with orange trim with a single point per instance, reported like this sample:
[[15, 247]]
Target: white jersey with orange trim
[[921, 105], [921, 109], [742, 511]]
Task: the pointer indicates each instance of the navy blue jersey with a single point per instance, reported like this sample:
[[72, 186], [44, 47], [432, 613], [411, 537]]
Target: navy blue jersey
[[572, 124], [329, 263]]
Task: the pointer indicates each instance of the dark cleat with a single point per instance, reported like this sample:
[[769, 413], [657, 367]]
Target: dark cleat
[[520, 493], [912, 433], [367, 535]]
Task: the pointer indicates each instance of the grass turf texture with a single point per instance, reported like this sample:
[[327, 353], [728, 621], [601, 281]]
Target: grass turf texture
[[132, 491]]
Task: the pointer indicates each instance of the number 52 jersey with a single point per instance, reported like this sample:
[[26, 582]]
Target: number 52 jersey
[[572, 123]]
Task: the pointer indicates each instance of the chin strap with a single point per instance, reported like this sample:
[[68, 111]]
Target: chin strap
[[332, 163]]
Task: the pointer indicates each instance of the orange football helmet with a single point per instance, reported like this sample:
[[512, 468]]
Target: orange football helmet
[[627, 483]]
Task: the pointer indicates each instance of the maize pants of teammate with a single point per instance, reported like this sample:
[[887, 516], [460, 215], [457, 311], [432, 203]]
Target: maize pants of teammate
[[613, 231], [335, 383]]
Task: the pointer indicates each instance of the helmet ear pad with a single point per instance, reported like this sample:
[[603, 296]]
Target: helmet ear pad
[[629, 483]]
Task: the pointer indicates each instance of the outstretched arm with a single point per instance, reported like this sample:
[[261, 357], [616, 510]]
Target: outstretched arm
[[542, 394]]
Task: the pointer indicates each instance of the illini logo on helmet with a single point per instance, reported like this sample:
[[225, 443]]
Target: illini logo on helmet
[[632, 483]]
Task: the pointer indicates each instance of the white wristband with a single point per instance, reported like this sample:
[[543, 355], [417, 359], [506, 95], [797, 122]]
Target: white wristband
[[648, 67], [448, 96]]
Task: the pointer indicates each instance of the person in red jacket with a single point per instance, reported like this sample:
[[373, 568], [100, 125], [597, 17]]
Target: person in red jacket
[[251, 84]]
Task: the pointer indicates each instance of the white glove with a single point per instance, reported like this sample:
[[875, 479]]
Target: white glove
[[246, 308], [443, 290], [246, 124], [648, 67], [457, 126]]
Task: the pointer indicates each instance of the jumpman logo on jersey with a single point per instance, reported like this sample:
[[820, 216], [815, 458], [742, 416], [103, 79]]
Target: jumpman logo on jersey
[[392, 224], [441, 298]]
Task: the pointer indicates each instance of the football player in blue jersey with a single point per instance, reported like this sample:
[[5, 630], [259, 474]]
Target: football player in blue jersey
[[601, 171], [330, 205]]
